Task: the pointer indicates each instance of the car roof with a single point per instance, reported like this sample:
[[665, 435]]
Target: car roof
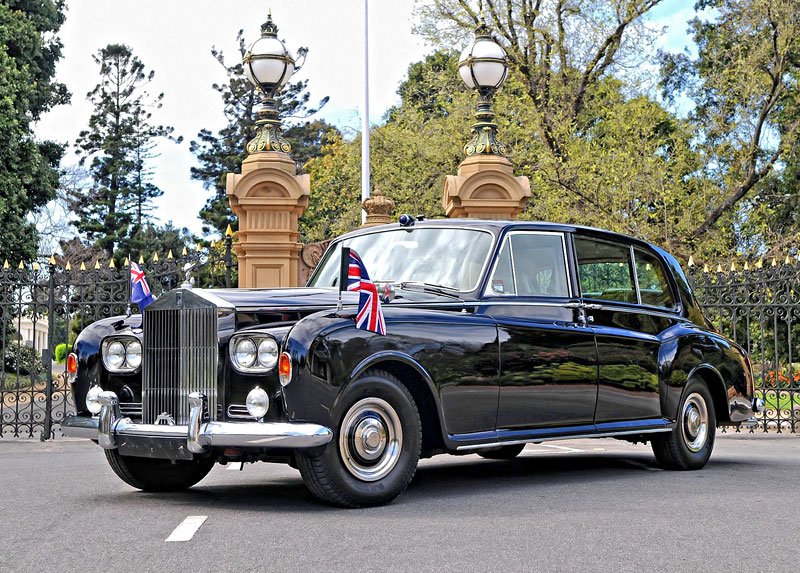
[[496, 226]]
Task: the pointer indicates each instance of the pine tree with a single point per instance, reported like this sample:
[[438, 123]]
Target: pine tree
[[222, 153], [29, 51], [118, 147]]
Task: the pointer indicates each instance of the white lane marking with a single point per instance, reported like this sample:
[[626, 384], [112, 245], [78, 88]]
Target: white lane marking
[[548, 448], [599, 449], [642, 466], [188, 527], [234, 466]]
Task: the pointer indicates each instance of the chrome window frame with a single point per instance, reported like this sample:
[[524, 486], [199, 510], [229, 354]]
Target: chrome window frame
[[488, 292], [665, 273]]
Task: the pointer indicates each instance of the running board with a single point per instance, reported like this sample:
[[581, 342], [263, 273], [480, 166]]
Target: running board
[[538, 440]]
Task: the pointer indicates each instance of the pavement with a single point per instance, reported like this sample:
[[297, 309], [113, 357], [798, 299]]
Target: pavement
[[577, 505]]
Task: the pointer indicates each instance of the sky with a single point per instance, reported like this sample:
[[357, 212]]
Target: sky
[[174, 38]]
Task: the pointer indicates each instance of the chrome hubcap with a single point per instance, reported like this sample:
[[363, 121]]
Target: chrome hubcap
[[695, 422], [370, 439]]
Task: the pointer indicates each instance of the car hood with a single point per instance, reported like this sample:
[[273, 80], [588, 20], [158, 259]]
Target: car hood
[[297, 297]]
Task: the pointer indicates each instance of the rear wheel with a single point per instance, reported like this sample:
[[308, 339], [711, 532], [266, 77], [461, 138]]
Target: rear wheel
[[149, 474], [376, 446], [502, 452], [689, 446]]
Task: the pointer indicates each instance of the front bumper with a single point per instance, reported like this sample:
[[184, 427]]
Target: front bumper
[[112, 431]]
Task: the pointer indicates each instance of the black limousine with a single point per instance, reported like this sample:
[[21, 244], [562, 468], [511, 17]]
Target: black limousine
[[498, 334]]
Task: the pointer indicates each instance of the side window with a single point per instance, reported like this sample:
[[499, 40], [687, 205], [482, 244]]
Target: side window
[[531, 264], [605, 270], [653, 285], [502, 282]]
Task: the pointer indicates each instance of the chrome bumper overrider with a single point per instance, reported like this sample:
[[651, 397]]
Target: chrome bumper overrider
[[110, 427]]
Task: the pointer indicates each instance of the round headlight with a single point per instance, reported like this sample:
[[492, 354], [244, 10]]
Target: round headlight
[[133, 354], [257, 402], [93, 399], [115, 355], [245, 353], [268, 353]]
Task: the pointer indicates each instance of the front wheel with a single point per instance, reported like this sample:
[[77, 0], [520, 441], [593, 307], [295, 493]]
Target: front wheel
[[376, 446], [149, 474], [689, 445]]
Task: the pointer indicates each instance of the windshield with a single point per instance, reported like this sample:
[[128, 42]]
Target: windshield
[[452, 258]]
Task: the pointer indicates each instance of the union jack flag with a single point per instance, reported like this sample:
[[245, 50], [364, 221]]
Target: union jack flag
[[140, 290], [370, 315]]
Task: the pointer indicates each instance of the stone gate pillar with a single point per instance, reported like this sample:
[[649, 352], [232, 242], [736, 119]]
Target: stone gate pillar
[[268, 198], [485, 188]]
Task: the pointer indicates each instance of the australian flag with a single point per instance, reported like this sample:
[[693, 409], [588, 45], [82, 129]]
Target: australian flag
[[355, 279], [140, 291]]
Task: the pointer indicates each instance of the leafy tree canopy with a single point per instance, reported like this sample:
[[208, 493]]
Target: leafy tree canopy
[[29, 51]]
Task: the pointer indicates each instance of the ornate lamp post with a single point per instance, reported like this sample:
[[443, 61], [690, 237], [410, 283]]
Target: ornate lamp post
[[483, 67], [269, 65]]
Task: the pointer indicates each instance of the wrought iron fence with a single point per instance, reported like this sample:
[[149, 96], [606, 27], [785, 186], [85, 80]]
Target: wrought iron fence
[[759, 308], [44, 305]]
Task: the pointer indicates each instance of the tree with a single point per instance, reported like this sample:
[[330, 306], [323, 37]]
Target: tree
[[29, 51], [223, 152], [744, 86], [118, 146]]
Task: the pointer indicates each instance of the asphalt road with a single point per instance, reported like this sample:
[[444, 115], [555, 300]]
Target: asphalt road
[[580, 505]]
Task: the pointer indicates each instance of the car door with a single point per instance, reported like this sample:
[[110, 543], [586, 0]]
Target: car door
[[548, 371], [627, 321]]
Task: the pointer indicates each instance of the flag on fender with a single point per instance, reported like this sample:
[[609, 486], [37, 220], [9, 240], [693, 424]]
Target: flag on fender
[[354, 278], [140, 291]]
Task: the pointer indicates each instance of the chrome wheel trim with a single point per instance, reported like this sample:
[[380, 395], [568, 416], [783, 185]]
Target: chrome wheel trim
[[370, 439], [694, 420]]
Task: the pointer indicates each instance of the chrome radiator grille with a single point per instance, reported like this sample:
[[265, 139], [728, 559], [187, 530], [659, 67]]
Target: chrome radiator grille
[[180, 356]]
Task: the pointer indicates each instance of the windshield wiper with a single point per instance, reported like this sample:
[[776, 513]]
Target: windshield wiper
[[415, 286]]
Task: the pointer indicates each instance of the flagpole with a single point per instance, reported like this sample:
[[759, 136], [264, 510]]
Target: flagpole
[[344, 270], [365, 174]]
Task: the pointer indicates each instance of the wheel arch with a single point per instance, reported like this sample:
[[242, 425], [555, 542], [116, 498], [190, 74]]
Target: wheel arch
[[711, 377], [419, 383]]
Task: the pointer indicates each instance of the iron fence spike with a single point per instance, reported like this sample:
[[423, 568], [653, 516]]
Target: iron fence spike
[[719, 267], [155, 257], [141, 259], [229, 231], [169, 255], [6, 265], [83, 266], [68, 267], [35, 266], [52, 259], [691, 261], [97, 265], [112, 264]]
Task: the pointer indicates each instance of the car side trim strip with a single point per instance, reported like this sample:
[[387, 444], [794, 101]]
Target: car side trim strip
[[606, 430]]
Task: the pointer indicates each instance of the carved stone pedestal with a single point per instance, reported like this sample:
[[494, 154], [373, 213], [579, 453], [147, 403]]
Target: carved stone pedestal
[[268, 198], [485, 188]]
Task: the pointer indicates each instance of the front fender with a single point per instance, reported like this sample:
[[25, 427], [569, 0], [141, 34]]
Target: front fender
[[90, 367], [454, 355]]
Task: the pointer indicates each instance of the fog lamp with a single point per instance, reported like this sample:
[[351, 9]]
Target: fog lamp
[[93, 399], [257, 402]]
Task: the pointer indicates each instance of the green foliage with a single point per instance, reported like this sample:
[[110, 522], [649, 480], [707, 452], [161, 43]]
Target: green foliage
[[22, 359], [223, 152], [746, 116], [118, 145], [61, 352], [29, 51]]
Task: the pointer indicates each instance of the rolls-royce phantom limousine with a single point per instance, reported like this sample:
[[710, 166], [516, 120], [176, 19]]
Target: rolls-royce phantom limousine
[[496, 334]]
